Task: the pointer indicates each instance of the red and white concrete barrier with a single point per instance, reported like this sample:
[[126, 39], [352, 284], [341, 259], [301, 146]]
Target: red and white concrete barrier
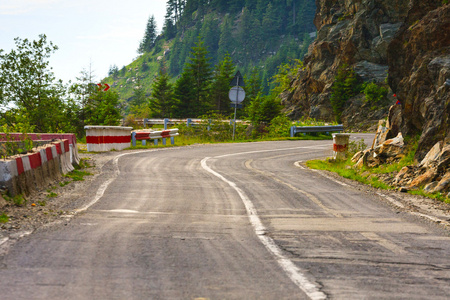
[[70, 137], [106, 138], [21, 174]]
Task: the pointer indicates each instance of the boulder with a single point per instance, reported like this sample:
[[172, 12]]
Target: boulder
[[391, 148], [444, 184], [423, 179], [432, 155]]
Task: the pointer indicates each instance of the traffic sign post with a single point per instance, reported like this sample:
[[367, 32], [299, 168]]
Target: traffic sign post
[[236, 95]]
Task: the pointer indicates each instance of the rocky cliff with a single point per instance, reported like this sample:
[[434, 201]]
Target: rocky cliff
[[356, 33], [404, 43], [419, 72]]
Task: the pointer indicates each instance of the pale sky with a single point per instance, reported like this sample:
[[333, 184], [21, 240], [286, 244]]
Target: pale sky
[[97, 32]]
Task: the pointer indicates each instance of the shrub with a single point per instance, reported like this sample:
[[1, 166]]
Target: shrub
[[280, 126], [375, 95], [345, 86]]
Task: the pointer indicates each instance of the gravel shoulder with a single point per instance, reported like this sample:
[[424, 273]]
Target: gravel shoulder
[[40, 210]]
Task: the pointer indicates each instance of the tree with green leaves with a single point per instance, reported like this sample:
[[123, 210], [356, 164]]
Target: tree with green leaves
[[29, 91], [162, 101], [253, 86], [139, 96], [222, 77], [148, 42], [226, 43], [184, 96], [345, 86], [103, 108], [199, 68]]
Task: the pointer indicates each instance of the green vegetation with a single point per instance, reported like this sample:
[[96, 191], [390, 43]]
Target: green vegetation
[[77, 175], [250, 32], [345, 86], [52, 195], [375, 95], [4, 218], [79, 172], [370, 176], [18, 200], [46, 104]]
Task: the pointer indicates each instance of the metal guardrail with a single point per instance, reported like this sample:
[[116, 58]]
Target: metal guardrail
[[309, 129], [188, 122], [154, 135]]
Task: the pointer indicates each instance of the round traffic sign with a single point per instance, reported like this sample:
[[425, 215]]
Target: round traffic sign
[[236, 94]]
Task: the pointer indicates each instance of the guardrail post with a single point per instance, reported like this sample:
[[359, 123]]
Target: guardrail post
[[145, 122], [164, 141], [292, 131], [188, 122], [172, 140], [133, 138], [155, 141], [166, 121], [209, 124]]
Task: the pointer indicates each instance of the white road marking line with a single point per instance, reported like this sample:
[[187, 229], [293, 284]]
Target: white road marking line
[[394, 202], [298, 165], [294, 273], [318, 147], [101, 190]]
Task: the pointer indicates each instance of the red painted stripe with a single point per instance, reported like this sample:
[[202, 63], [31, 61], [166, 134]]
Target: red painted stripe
[[165, 134], [339, 148], [66, 146], [142, 135], [58, 148], [20, 168], [49, 153], [108, 139], [35, 160]]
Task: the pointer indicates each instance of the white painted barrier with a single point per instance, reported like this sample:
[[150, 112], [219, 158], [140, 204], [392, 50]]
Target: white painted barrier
[[106, 138], [22, 174]]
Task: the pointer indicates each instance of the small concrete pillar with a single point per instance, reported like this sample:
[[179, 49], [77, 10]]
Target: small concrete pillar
[[340, 145]]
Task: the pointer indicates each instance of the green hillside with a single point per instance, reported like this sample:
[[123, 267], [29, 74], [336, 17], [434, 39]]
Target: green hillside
[[258, 35]]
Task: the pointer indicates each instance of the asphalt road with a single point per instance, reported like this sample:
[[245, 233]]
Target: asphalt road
[[231, 221]]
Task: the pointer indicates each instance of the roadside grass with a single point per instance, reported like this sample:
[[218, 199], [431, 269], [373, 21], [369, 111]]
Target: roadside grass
[[369, 176], [79, 173], [4, 218], [18, 200]]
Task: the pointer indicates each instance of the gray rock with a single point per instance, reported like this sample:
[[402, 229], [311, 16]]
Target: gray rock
[[371, 72]]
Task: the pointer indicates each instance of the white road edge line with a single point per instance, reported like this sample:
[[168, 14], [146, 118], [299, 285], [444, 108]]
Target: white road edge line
[[294, 273], [394, 202], [101, 190], [298, 165]]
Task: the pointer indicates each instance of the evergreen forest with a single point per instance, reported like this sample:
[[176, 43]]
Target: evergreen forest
[[201, 46]]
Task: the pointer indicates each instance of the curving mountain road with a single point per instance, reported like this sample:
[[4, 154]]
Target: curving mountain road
[[230, 221]]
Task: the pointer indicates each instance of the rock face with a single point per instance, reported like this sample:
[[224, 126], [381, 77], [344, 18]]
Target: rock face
[[419, 66], [356, 33]]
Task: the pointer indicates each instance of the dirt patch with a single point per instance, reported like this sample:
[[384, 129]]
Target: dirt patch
[[53, 203]]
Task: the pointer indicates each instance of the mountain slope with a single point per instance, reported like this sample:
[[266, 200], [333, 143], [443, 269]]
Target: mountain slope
[[260, 34]]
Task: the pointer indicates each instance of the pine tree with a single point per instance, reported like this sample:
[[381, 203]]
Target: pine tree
[[184, 95], [162, 99], [221, 85], [200, 70], [226, 44], [139, 96], [148, 42]]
